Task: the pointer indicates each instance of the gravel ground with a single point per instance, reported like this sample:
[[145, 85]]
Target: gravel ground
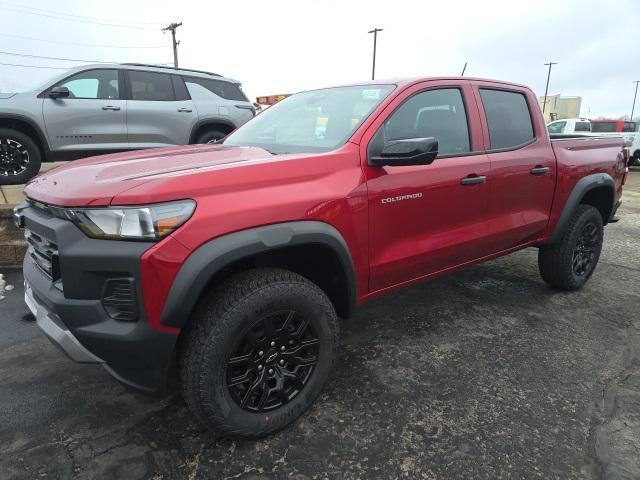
[[486, 373]]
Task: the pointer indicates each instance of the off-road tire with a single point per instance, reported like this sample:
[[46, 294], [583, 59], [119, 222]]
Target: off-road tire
[[556, 261], [212, 136], [217, 323], [34, 156]]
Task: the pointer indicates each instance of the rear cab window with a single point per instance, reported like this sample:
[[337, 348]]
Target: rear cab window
[[583, 127], [508, 118]]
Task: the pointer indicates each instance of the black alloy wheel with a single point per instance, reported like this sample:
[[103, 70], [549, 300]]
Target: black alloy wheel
[[584, 252], [14, 157], [272, 362]]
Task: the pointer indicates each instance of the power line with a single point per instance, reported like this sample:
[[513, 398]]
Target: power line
[[32, 66], [77, 20], [55, 12], [80, 44], [54, 58]]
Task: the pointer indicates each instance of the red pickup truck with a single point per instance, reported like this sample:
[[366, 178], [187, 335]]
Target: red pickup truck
[[236, 260]]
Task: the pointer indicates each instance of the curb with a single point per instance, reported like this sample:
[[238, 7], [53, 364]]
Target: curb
[[13, 246]]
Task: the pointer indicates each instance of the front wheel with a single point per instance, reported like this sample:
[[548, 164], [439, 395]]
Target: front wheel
[[569, 263], [257, 352], [19, 157]]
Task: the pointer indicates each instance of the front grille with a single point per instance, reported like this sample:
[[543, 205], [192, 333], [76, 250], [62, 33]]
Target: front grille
[[44, 254]]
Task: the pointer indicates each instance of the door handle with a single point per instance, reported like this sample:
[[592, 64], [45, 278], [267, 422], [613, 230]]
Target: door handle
[[473, 180], [540, 170], [111, 107], [185, 109]]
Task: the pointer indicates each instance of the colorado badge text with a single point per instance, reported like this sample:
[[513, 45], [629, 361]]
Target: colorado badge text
[[410, 196]]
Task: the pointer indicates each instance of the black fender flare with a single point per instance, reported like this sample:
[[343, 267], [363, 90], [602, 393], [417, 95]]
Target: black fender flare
[[209, 121], [581, 188], [216, 254], [41, 136]]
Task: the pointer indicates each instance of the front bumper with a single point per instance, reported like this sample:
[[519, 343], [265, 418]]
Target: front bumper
[[57, 331], [68, 293]]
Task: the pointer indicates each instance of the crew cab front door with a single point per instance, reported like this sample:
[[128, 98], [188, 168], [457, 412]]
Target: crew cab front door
[[427, 218], [523, 166], [92, 117]]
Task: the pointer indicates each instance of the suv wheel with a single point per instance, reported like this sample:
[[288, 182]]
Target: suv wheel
[[257, 352], [19, 157], [212, 136], [568, 264]]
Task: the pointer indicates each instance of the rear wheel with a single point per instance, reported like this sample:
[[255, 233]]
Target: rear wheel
[[258, 352], [569, 263], [212, 136], [19, 157]]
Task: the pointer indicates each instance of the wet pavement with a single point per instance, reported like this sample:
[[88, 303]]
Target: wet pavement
[[486, 373]]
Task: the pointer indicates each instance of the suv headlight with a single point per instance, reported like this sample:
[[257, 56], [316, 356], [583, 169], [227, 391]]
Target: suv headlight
[[144, 222]]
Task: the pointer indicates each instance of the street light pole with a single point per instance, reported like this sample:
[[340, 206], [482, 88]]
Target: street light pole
[[546, 89], [634, 99], [172, 28], [375, 38]]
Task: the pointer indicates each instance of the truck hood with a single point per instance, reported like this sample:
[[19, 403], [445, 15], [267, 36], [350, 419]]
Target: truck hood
[[96, 181]]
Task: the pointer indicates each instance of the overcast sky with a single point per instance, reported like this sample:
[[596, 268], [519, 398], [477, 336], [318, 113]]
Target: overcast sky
[[285, 46]]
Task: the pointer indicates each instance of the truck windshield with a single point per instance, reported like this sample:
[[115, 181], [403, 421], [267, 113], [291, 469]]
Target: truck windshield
[[313, 121]]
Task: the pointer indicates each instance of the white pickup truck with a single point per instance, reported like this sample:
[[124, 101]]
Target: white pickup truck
[[582, 126]]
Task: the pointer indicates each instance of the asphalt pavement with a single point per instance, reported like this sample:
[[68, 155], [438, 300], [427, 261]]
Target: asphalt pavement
[[486, 373]]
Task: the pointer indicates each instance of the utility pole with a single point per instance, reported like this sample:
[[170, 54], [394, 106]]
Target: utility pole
[[546, 89], [634, 99], [375, 38], [172, 28]]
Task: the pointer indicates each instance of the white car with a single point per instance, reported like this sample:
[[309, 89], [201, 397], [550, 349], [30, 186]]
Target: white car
[[569, 126], [582, 126]]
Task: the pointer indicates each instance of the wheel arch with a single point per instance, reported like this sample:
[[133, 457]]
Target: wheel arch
[[316, 250], [28, 127], [597, 190], [203, 126]]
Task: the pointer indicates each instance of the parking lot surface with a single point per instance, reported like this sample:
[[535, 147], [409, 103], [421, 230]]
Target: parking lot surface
[[486, 373]]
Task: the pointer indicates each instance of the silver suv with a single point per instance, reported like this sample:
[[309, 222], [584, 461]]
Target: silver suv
[[104, 108]]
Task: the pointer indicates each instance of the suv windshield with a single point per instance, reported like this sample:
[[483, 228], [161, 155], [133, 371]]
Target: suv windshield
[[314, 121]]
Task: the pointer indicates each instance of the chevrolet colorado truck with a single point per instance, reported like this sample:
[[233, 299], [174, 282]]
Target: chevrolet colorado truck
[[234, 261]]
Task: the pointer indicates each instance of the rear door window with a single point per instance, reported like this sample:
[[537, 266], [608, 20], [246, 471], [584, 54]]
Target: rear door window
[[150, 86], [203, 88], [508, 118], [583, 127]]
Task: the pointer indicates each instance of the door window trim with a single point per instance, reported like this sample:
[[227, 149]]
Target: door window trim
[[466, 113], [486, 120], [44, 93]]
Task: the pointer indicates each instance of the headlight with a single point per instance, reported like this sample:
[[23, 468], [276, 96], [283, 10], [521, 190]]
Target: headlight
[[145, 222]]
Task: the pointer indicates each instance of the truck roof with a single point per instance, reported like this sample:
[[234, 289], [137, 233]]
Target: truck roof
[[413, 80]]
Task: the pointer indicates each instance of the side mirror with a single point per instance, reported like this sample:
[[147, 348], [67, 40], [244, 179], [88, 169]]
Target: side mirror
[[410, 151], [59, 92]]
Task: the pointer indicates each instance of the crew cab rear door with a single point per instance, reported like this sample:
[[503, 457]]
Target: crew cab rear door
[[159, 110], [523, 167], [427, 218]]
